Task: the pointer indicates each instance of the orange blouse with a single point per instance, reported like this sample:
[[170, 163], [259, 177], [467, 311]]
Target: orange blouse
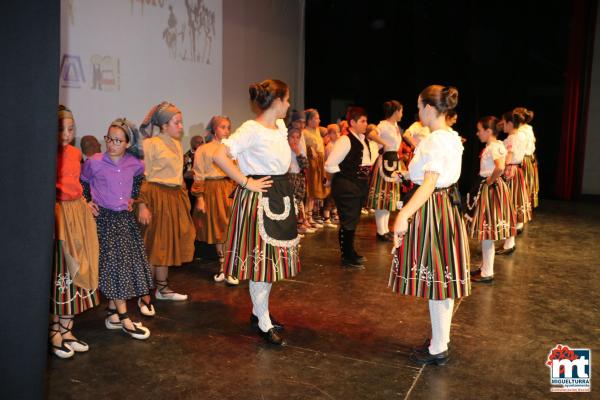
[[68, 169]]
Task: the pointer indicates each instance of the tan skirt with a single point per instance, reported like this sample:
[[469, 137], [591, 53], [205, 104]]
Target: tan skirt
[[218, 209], [76, 228], [169, 238], [316, 177], [75, 268]]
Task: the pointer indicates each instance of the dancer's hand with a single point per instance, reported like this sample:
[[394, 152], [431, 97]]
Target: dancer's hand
[[144, 215], [130, 204], [259, 185], [94, 208], [400, 229]]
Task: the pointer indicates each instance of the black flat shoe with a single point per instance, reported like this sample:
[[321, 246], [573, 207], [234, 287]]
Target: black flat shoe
[[352, 263], [273, 337], [424, 348], [276, 324], [359, 258], [476, 272], [430, 359], [519, 231], [383, 238], [482, 279], [505, 252]]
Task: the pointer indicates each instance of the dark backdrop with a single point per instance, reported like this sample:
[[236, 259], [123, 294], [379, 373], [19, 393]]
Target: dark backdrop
[[29, 44], [498, 54]]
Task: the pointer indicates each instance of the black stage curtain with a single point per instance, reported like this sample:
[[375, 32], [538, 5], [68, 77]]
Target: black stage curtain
[[30, 47]]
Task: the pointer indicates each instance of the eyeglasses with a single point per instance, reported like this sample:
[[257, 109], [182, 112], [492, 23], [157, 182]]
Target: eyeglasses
[[116, 141]]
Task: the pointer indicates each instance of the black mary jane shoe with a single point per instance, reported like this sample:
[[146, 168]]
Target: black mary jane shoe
[[276, 324], [505, 252], [359, 258], [482, 279], [273, 337], [384, 238], [352, 263], [427, 358], [424, 348]]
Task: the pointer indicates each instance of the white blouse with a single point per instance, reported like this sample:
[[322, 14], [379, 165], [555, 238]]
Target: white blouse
[[439, 152], [530, 146], [341, 148], [492, 152], [516, 143], [390, 133], [417, 132], [260, 150]]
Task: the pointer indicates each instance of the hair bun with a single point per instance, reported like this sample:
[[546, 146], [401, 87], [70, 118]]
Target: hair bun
[[264, 93], [449, 97]]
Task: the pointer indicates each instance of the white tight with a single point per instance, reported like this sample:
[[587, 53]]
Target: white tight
[[382, 221], [487, 265], [259, 293], [440, 312]]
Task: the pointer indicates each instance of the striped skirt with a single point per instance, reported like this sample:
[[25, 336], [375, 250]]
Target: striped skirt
[[532, 180], [493, 215], [75, 252], [433, 259], [519, 195], [247, 253], [384, 193]]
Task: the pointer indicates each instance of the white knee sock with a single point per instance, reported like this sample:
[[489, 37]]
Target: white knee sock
[[381, 221], [259, 293], [520, 225], [509, 243], [487, 264], [440, 312]]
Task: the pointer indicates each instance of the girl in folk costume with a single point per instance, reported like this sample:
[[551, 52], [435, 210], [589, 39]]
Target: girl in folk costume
[[111, 181], [262, 237], [515, 143], [490, 212], [385, 185], [431, 253], [315, 151], [530, 164], [212, 188], [75, 267], [164, 205]]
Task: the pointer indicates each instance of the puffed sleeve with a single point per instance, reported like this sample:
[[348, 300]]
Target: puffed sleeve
[[240, 140], [498, 151], [148, 148], [433, 154]]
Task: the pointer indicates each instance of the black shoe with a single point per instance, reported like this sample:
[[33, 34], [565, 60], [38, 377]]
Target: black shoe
[[359, 258], [519, 231], [383, 238], [352, 263], [482, 279], [505, 252], [273, 337], [429, 359], [424, 348], [276, 324], [475, 272]]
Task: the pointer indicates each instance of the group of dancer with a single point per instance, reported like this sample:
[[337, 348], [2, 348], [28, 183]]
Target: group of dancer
[[123, 216]]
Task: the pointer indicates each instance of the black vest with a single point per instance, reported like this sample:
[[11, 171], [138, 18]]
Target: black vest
[[353, 160]]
